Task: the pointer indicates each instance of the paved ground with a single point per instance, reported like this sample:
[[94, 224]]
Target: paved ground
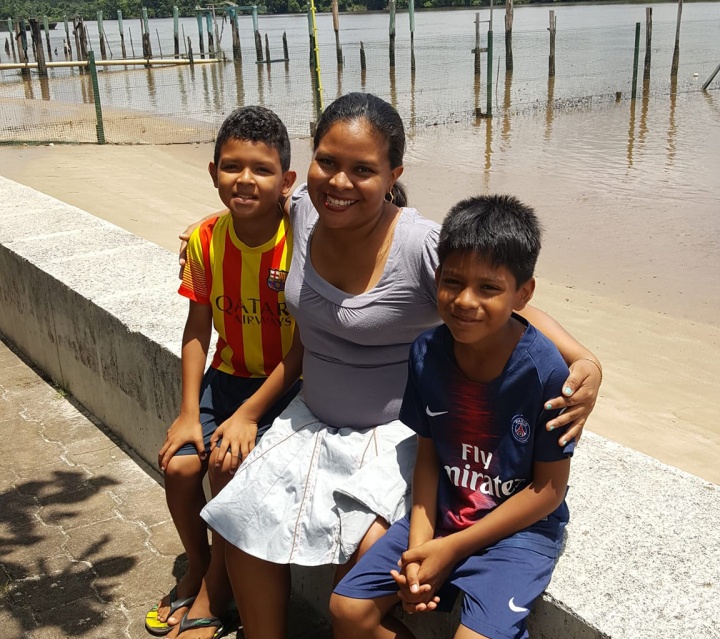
[[86, 542]]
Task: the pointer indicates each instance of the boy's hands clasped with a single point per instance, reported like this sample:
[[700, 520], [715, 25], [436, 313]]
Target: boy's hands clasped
[[423, 570]]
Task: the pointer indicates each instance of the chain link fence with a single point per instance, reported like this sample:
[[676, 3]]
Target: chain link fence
[[186, 103]]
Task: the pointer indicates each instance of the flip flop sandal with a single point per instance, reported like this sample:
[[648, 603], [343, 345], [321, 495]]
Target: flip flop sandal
[[161, 628], [224, 626]]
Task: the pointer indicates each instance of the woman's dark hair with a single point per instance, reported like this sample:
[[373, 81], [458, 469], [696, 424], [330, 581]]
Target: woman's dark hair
[[381, 116]]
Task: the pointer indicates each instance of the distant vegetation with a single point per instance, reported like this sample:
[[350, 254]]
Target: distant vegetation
[[56, 9]]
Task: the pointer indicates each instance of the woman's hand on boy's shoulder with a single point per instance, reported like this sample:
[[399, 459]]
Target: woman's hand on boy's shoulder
[[185, 236], [579, 394]]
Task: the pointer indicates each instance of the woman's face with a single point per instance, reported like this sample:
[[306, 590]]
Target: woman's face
[[350, 174]]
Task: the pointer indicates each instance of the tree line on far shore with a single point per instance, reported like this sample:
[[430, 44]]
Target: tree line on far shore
[[56, 9]]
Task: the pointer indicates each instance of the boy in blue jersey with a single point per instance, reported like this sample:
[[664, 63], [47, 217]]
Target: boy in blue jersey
[[489, 484]]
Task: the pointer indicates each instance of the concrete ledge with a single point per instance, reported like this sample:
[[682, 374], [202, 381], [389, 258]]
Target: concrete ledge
[[97, 309]]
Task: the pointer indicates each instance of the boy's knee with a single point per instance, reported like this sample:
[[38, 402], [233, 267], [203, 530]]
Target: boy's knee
[[351, 617], [184, 468], [218, 475]]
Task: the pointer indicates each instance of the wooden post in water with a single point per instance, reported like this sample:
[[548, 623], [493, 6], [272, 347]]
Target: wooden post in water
[[76, 35], [37, 45], [176, 32], [46, 28], [79, 26], [488, 110], [363, 62], [237, 50], [509, 15], [411, 16], [101, 34], [286, 53], [635, 60], [267, 48], [711, 78], [392, 32], [316, 60], [476, 50], [122, 35], [648, 43], [336, 28], [66, 44], [676, 50], [311, 35], [190, 53], [21, 38], [198, 15], [551, 59], [132, 46], [147, 45], [99, 128], [256, 33], [10, 30], [157, 33], [211, 38]]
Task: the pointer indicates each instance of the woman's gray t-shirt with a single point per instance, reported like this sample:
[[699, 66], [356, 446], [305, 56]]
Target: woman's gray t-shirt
[[356, 346]]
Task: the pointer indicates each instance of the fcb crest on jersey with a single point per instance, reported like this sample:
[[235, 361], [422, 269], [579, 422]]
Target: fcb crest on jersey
[[520, 429], [276, 279]]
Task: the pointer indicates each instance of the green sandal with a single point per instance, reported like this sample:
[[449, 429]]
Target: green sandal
[[229, 623], [161, 628]]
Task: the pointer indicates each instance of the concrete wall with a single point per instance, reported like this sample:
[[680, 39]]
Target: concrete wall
[[97, 309]]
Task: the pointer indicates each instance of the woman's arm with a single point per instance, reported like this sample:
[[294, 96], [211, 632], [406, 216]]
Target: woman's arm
[[580, 390]]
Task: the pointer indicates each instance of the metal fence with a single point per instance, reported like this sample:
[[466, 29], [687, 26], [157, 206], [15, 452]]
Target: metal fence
[[186, 103]]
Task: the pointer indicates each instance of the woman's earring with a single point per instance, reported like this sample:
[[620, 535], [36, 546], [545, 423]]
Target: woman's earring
[[389, 197]]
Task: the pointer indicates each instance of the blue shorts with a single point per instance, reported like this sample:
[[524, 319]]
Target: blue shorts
[[221, 394], [499, 584]]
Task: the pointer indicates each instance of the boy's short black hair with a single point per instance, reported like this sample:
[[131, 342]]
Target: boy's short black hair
[[255, 124], [498, 228]]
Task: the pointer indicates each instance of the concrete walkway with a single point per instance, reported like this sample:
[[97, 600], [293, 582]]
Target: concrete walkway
[[86, 541]]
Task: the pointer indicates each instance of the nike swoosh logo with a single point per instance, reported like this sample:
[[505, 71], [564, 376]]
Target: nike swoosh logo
[[515, 608], [433, 413]]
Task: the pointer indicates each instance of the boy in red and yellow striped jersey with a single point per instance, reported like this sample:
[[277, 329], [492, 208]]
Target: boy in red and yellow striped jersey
[[234, 277]]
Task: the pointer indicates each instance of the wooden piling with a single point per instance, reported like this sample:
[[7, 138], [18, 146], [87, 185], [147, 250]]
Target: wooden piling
[[198, 16], [122, 34], [132, 46], [176, 32], [38, 47], [256, 34], [237, 50], [648, 43], [21, 39], [7, 47], [509, 15], [99, 127], [68, 50], [363, 62], [635, 61], [676, 50], [11, 31], [392, 32], [311, 35], [476, 50], [46, 28], [711, 78], [488, 111], [551, 58], [101, 34], [157, 33], [79, 28], [76, 36], [336, 28], [267, 48], [286, 53], [189, 51], [411, 16], [147, 44]]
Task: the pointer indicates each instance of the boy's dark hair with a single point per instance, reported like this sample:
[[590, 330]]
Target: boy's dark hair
[[381, 116], [255, 124], [498, 228]]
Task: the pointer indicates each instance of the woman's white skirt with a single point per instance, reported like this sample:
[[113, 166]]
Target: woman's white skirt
[[308, 492]]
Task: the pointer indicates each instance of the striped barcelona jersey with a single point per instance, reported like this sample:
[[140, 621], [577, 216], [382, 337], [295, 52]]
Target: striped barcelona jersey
[[245, 286]]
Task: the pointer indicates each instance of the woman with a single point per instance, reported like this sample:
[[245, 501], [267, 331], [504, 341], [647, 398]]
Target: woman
[[333, 471]]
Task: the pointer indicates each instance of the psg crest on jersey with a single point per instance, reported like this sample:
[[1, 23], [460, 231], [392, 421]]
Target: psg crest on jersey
[[520, 429], [276, 279]]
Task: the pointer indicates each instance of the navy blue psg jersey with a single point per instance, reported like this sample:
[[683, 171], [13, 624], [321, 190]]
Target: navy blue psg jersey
[[487, 436]]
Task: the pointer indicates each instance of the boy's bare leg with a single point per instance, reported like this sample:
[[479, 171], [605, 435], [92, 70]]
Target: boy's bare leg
[[185, 499], [463, 632], [215, 592], [366, 618], [262, 592], [378, 529]]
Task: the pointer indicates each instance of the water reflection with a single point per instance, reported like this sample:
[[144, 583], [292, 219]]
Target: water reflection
[[631, 134], [671, 126], [183, 89], [44, 87], [550, 109], [393, 88], [507, 103], [643, 130], [152, 89], [239, 86]]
